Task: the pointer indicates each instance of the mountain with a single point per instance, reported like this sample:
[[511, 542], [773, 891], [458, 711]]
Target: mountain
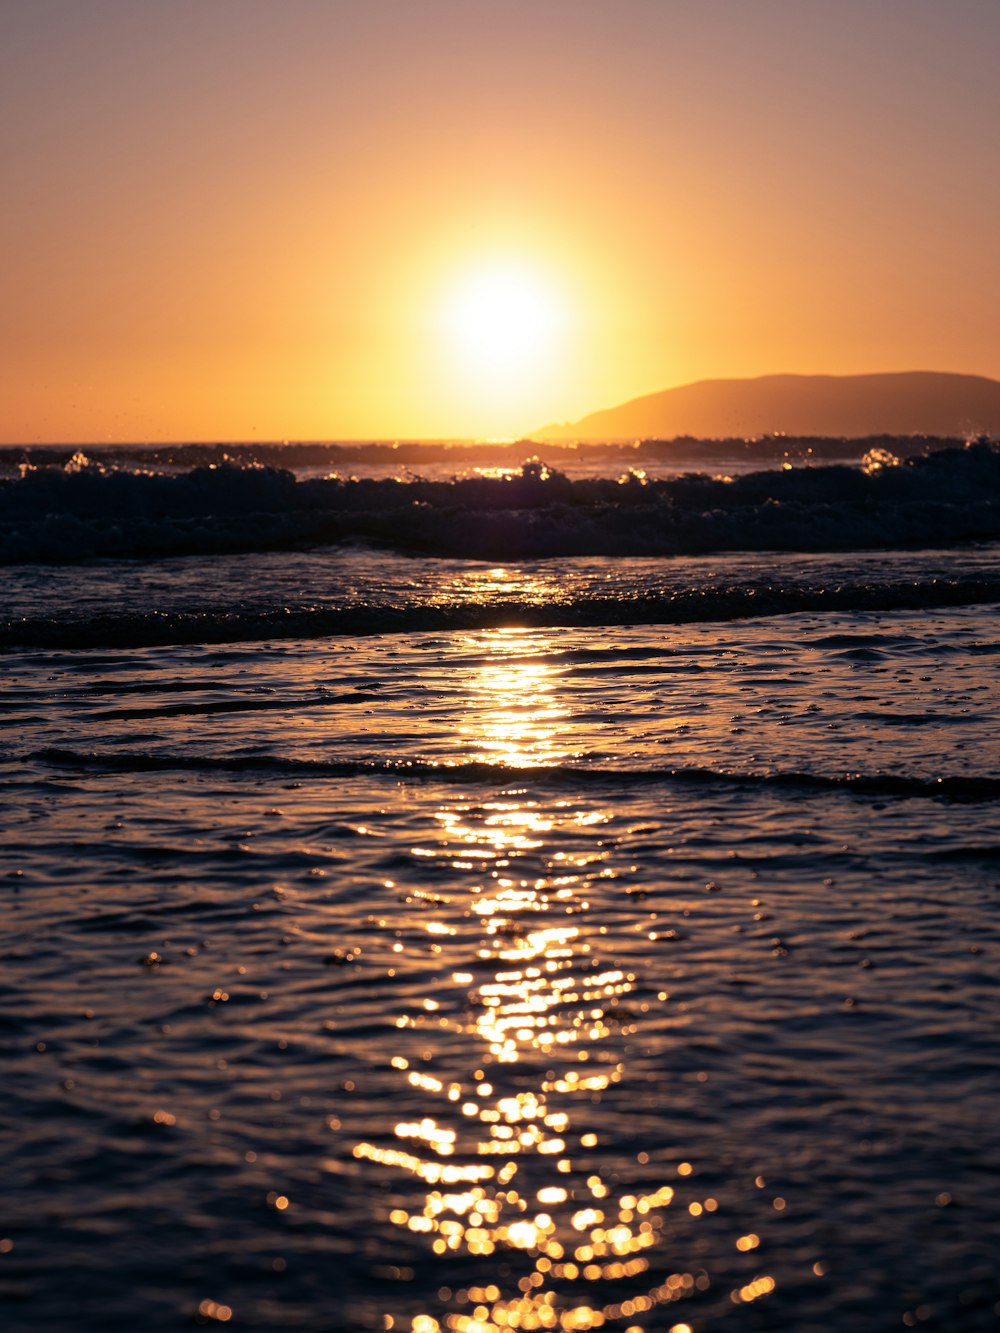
[[853, 406]]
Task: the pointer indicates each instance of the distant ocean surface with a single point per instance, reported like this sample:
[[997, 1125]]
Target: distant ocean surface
[[489, 893]]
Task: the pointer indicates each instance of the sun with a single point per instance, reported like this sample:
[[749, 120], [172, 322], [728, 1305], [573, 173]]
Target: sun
[[503, 322]]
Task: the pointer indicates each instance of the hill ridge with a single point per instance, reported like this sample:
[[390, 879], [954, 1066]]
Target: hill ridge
[[914, 402]]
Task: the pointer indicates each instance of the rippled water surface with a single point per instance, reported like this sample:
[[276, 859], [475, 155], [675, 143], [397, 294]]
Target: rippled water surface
[[639, 977], [334, 578]]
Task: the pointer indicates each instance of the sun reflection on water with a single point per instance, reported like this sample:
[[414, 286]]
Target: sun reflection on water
[[537, 1222], [515, 716], [500, 584]]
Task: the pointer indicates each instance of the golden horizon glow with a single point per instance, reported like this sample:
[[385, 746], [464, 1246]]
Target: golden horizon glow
[[243, 221]]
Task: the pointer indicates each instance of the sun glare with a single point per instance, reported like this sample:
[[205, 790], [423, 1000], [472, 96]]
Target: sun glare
[[502, 323]]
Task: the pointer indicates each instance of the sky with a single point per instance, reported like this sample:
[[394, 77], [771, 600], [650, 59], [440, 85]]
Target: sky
[[405, 219]]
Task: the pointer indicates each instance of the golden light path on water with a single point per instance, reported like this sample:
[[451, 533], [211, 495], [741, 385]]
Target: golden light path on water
[[508, 1158]]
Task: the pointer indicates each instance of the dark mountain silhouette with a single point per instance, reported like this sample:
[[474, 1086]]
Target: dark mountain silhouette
[[851, 406]]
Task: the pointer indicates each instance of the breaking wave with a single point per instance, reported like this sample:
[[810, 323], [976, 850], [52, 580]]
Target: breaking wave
[[62, 515], [687, 605], [948, 787]]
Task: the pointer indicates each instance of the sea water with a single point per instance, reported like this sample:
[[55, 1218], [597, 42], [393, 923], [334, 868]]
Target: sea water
[[404, 941]]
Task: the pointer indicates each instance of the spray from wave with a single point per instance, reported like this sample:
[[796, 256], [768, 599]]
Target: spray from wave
[[67, 514]]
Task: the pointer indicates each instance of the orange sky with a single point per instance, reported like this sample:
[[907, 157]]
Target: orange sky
[[243, 219]]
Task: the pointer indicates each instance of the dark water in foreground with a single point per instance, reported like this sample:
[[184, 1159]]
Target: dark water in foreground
[[551, 971]]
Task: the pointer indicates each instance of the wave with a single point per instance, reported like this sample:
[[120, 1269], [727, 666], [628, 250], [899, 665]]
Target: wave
[[56, 515], [682, 452], [949, 787], [148, 629]]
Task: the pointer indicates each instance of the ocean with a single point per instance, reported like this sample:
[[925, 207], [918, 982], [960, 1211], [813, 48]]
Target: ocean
[[560, 895]]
